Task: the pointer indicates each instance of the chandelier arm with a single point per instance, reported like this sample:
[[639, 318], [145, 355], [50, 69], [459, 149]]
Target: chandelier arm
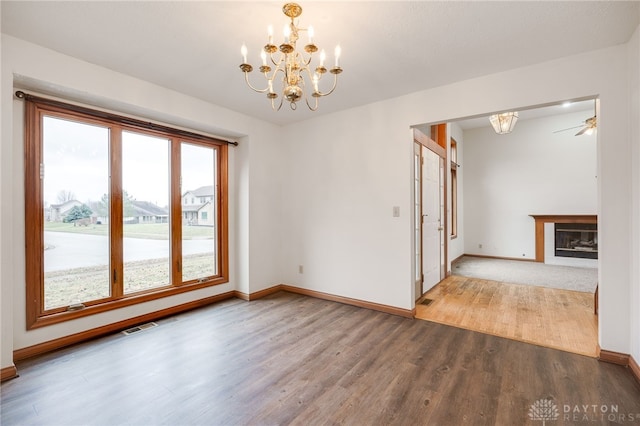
[[276, 71], [246, 78], [273, 105], [335, 83], [278, 62], [308, 105], [311, 80], [307, 61]]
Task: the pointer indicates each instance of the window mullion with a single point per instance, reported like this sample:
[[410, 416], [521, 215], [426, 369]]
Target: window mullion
[[175, 213], [116, 218]]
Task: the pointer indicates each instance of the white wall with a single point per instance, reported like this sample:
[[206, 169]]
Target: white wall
[[253, 182], [264, 208], [634, 132], [456, 245], [345, 171], [529, 171]]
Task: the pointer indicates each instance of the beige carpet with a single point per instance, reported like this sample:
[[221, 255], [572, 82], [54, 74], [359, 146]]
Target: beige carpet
[[529, 273]]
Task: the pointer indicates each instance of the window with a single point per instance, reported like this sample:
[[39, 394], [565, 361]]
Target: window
[[104, 216], [454, 188]]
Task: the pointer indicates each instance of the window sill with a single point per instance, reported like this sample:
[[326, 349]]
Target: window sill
[[58, 317]]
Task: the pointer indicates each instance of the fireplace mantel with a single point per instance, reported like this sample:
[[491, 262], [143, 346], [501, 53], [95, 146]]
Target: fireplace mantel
[[541, 219]]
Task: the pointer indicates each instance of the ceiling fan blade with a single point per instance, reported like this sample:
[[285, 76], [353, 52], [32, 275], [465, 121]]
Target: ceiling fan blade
[[568, 128], [583, 131]]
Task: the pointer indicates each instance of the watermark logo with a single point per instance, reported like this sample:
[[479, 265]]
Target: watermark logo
[[544, 410], [598, 413], [547, 410]]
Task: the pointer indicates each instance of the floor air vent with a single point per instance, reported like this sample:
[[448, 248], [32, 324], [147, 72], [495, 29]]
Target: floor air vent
[[426, 301], [139, 328]]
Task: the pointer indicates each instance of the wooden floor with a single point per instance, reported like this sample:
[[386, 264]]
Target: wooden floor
[[558, 319], [292, 359]]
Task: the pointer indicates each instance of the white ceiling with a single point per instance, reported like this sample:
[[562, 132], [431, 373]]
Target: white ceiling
[[389, 48], [588, 107]]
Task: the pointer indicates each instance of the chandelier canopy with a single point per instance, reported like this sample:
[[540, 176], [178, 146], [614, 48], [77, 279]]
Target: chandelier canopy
[[504, 123], [298, 76]]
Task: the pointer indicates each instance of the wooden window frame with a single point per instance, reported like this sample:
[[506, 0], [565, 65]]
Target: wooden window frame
[[35, 110], [454, 189]]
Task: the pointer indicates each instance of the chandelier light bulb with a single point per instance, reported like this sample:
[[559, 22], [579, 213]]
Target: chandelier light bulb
[[243, 51], [310, 32], [263, 56], [338, 52], [287, 33], [323, 56], [270, 33]]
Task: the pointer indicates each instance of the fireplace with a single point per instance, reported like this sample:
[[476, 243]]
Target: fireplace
[[576, 240], [547, 224]]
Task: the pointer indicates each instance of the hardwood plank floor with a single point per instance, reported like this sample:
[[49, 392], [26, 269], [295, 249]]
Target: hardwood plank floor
[[553, 318], [292, 359]]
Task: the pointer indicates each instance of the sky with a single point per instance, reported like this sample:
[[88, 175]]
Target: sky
[[76, 160]]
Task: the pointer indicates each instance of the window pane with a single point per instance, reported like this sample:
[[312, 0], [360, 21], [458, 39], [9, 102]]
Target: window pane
[[145, 200], [199, 211], [76, 214]]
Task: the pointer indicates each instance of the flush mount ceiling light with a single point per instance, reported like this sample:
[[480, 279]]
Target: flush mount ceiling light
[[297, 75], [504, 123]]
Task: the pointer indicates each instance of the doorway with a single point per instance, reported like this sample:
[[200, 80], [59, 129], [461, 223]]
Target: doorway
[[497, 168]]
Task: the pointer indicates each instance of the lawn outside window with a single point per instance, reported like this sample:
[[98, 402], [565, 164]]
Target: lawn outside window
[[118, 211]]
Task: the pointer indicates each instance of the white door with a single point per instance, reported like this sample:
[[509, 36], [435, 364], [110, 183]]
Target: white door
[[441, 228], [432, 227]]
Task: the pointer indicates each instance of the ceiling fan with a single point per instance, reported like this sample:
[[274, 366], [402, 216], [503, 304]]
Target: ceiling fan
[[587, 127]]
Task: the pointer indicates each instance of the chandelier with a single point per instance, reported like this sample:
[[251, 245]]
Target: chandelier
[[298, 76], [504, 123]]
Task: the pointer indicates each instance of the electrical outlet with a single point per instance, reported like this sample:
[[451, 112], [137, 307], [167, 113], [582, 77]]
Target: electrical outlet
[[479, 245], [300, 269]]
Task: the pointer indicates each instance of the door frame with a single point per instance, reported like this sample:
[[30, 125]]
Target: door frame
[[439, 132]]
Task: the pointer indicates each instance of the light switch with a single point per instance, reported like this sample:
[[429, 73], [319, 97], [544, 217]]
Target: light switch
[[396, 211]]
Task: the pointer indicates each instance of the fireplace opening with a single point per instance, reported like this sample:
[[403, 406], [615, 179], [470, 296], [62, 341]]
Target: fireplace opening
[[576, 240]]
